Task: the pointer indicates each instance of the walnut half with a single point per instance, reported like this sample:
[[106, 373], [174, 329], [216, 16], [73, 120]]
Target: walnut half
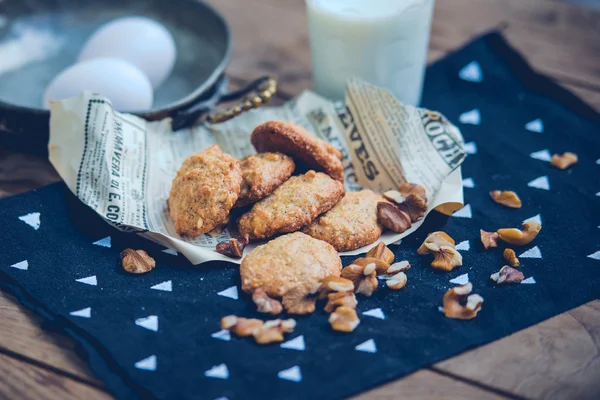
[[507, 275], [452, 302], [410, 199], [233, 248], [344, 319], [446, 257], [137, 261]]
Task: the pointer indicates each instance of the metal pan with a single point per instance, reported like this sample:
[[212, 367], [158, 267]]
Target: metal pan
[[40, 38]]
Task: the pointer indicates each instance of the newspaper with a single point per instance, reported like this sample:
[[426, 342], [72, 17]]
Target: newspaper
[[122, 166]]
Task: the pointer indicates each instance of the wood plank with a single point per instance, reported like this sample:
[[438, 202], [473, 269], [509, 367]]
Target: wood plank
[[21, 380], [21, 333], [556, 359], [427, 385]]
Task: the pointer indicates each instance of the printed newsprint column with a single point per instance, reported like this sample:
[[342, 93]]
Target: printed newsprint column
[[122, 166]]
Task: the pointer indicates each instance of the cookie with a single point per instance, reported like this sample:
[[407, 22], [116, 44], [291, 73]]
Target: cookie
[[293, 261], [351, 223], [291, 206], [206, 187], [295, 141], [261, 174]]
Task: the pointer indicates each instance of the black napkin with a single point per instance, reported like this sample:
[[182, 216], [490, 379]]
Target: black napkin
[[158, 335]]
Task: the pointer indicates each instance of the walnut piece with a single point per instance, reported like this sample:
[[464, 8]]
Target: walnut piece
[[380, 265], [446, 258], [337, 284], [489, 239], [511, 257], [412, 204], [297, 301], [392, 217], [265, 304], [452, 302], [413, 188], [438, 238], [397, 281], [564, 161], [401, 266], [241, 326], [272, 331], [344, 319], [506, 198], [137, 261], [507, 275], [233, 248], [520, 237], [381, 252], [363, 284], [339, 299]]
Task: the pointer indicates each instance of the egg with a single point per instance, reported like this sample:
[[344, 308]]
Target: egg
[[139, 40], [127, 87]]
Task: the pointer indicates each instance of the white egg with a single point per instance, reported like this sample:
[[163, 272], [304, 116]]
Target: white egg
[[127, 87], [139, 40]]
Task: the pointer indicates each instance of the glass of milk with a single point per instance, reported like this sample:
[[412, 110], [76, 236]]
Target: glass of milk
[[384, 42]]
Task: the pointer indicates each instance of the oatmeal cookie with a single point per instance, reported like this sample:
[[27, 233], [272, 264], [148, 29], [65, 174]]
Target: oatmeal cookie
[[293, 261], [291, 206], [351, 223], [206, 187], [261, 174], [295, 141]]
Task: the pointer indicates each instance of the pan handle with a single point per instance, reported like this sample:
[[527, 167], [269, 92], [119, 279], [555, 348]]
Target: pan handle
[[253, 95]]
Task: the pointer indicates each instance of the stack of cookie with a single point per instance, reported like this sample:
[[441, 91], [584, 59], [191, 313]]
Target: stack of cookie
[[211, 183]]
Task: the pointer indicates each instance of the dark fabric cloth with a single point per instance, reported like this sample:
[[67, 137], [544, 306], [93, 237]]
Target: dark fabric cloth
[[508, 96]]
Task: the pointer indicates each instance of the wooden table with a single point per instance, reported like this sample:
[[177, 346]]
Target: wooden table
[[556, 359]]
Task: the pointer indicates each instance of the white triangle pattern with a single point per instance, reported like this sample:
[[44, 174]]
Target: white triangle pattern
[[170, 251], [231, 292], [598, 161], [471, 72], [291, 374], [223, 334], [375, 313], [534, 252], [535, 218], [166, 286], [543, 155], [83, 313], [528, 281], [150, 322], [32, 219], [90, 280], [441, 309], [535, 126], [595, 256], [461, 279], [472, 117], [147, 364], [104, 242], [470, 148], [23, 265], [540, 183], [464, 212], [465, 245], [218, 371], [368, 347], [468, 183], [294, 344]]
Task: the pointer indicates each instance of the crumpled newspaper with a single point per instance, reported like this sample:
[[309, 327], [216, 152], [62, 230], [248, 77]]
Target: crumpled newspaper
[[122, 166]]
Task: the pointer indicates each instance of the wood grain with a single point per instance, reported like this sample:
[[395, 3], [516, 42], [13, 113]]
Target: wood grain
[[21, 333], [427, 385], [556, 359], [23, 381]]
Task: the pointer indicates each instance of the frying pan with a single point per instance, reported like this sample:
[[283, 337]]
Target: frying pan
[[40, 38]]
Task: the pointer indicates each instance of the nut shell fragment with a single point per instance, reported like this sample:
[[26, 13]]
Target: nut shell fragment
[[564, 161], [452, 302], [137, 261], [520, 237], [344, 319], [506, 198]]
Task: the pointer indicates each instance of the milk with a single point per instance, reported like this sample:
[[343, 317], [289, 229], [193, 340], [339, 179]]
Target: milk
[[381, 41]]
